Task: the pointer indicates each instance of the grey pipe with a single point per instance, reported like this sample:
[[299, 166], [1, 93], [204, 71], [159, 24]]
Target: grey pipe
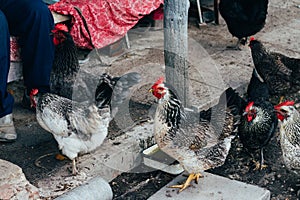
[[95, 189]]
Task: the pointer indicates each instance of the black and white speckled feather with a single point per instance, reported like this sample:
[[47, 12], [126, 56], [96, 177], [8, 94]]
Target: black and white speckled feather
[[280, 73], [77, 127], [81, 127], [196, 143], [290, 138], [258, 122]]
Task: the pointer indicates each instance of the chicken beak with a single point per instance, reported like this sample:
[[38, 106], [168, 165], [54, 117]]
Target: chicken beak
[[245, 113], [150, 90]]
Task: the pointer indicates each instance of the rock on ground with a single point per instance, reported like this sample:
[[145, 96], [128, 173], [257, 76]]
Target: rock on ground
[[13, 183]]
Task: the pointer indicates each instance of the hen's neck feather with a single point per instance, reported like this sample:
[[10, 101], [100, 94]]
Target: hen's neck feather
[[172, 110]]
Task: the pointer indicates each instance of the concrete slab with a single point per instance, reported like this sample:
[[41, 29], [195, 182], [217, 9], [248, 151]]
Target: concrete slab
[[212, 187]]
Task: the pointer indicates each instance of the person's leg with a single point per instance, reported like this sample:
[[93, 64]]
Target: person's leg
[[7, 130], [32, 22]]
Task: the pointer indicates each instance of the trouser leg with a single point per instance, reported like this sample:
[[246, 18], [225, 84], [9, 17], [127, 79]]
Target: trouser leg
[[32, 22], [6, 99]]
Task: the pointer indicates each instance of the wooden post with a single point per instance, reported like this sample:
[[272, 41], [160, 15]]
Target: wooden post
[[176, 46]]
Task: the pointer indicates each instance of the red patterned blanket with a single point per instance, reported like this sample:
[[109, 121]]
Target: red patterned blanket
[[107, 20]]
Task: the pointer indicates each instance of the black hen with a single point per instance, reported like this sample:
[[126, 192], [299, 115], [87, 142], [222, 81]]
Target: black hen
[[258, 122], [244, 17], [279, 72], [65, 65]]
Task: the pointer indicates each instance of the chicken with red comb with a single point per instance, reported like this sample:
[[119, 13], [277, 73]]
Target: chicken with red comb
[[289, 134], [59, 33], [196, 143], [81, 127], [65, 65], [258, 122]]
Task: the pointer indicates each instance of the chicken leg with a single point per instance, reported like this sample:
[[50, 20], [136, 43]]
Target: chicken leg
[[187, 183], [74, 169], [260, 165]]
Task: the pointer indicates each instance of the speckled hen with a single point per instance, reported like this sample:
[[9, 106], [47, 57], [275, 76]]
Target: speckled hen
[[77, 127], [198, 144], [289, 134], [279, 72]]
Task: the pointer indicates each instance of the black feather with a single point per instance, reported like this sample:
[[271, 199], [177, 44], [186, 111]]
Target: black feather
[[65, 67], [112, 91], [257, 89], [244, 17]]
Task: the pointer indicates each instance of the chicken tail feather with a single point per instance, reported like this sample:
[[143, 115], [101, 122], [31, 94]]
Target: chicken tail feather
[[233, 101], [113, 91]]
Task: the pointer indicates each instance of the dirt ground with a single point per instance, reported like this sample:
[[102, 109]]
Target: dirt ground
[[280, 33]]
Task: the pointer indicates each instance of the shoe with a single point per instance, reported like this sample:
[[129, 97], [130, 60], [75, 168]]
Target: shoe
[[7, 129]]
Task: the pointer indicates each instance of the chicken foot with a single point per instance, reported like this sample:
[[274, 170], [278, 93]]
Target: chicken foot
[[260, 165], [60, 157], [187, 183]]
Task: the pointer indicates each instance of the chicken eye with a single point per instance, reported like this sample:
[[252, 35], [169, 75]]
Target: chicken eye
[[283, 111], [160, 89]]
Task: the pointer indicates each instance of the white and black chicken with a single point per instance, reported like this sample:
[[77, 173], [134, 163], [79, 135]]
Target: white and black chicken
[[196, 143], [289, 118], [77, 127]]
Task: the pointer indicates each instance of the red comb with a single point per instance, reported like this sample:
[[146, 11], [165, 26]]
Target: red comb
[[61, 27], [160, 80], [286, 103], [251, 38], [249, 106], [34, 92]]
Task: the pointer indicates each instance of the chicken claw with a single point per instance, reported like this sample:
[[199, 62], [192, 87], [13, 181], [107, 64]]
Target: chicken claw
[[60, 157], [188, 181], [259, 166]]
